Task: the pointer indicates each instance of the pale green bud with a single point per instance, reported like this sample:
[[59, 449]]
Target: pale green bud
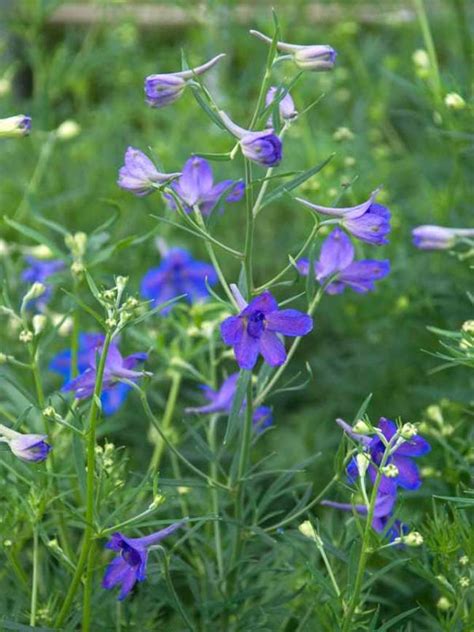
[[408, 431], [68, 129], [39, 323], [414, 538], [454, 101], [390, 471]]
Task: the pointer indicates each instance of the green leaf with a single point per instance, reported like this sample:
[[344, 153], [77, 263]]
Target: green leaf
[[391, 622], [35, 236]]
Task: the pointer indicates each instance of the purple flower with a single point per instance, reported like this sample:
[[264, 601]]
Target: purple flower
[[286, 105], [38, 271], [130, 565], [337, 260], [368, 221], [113, 398], [220, 401], [30, 447], [178, 273], [438, 237], [255, 331], [316, 57], [13, 126], [196, 187], [402, 457], [116, 368], [264, 147], [163, 89], [139, 175]]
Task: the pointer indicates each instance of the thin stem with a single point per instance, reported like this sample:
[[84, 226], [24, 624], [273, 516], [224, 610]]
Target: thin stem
[[294, 346], [249, 230], [171, 588], [166, 423], [34, 579], [214, 494], [89, 529], [429, 43], [75, 338]]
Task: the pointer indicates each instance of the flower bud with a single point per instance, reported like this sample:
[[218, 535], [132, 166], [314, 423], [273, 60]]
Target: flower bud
[[363, 462], [35, 291], [414, 538], [468, 327], [454, 101], [25, 336], [77, 268], [49, 412], [435, 414], [343, 133], [162, 90], [361, 427], [39, 323], [77, 244], [464, 582], [286, 105], [464, 560], [4, 358], [264, 148], [121, 283], [15, 126], [421, 59], [158, 500], [68, 129], [408, 431], [444, 604], [315, 58], [307, 529], [30, 447], [390, 471], [40, 252], [5, 86]]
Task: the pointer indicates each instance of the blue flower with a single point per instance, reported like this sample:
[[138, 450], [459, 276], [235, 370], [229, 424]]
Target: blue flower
[[130, 565], [139, 175], [439, 237], [196, 187], [163, 89], [286, 105], [114, 393], [38, 271], [220, 401], [368, 221], [316, 57], [255, 331], [177, 274], [337, 260], [14, 126], [264, 148]]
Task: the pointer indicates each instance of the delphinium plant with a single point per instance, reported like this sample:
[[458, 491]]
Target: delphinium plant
[[203, 536]]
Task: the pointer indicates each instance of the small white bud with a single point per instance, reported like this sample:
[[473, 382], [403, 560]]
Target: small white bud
[[307, 529], [4, 358], [25, 336], [108, 295], [77, 268], [444, 604], [4, 248], [41, 252], [454, 101], [468, 327], [464, 582], [414, 538], [361, 427], [421, 59], [464, 560], [390, 470], [5, 86], [182, 489], [158, 500], [363, 462], [121, 282], [111, 323], [39, 323], [68, 129], [435, 414], [408, 431], [343, 133], [35, 291]]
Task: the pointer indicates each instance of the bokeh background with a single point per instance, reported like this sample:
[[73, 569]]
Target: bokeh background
[[86, 61]]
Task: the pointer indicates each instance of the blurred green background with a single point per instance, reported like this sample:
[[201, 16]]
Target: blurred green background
[[66, 65]]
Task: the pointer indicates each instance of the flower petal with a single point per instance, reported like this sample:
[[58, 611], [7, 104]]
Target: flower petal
[[196, 179], [265, 303], [272, 348], [289, 322], [408, 474], [417, 446], [337, 252], [232, 329], [246, 350]]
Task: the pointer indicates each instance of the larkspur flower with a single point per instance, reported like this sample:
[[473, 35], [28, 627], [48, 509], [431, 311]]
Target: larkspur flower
[[116, 367], [220, 401], [15, 126], [368, 221], [111, 399], [139, 175], [402, 455], [255, 331], [39, 271], [439, 237], [286, 105], [27, 447], [163, 89], [264, 147], [317, 57], [337, 261], [196, 187], [130, 565], [178, 273]]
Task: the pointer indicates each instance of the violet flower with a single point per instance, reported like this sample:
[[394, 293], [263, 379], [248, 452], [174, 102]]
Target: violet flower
[[130, 565], [255, 331], [264, 147], [27, 447], [139, 175], [438, 237], [116, 368], [368, 221], [220, 401], [178, 273], [402, 457], [14, 126], [196, 187], [337, 260], [163, 89], [38, 271], [286, 105], [111, 399], [317, 57]]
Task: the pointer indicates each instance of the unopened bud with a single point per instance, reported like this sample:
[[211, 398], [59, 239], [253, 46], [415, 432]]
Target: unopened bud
[[15, 126], [408, 431], [464, 582], [307, 529], [121, 282], [39, 323], [41, 252], [77, 268], [108, 295], [111, 323], [4, 358], [49, 412], [464, 560], [363, 462], [343, 133], [435, 414], [390, 470], [414, 538], [158, 500], [76, 243], [454, 101], [25, 336], [468, 327], [444, 604], [421, 59], [361, 427], [35, 291], [68, 130]]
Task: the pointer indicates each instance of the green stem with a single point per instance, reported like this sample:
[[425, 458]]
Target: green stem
[[430, 47], [89, 529], [34, 579], [294, 346], [171, 588], [364, 551], [214, 493], [166, 423], [249, 230]]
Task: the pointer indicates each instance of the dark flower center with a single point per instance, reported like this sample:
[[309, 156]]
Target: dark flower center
[[131, 555], [256, 324]]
